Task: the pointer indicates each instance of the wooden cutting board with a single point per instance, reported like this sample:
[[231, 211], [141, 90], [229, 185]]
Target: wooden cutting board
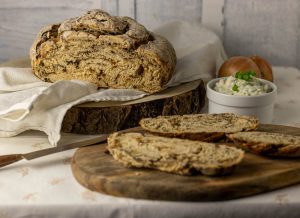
[[98, 171]]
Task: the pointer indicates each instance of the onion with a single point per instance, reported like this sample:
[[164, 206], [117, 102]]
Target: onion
[[264, 66], [236, 64]]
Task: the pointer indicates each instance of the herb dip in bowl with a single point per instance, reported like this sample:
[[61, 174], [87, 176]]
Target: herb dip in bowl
[[251, 96], [233, 86]]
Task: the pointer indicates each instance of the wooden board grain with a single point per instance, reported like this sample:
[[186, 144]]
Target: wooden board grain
[[98, 171]]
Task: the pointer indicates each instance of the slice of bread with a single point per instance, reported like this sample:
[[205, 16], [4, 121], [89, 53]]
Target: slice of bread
[[180, 156], [203, 127], [269, 144]]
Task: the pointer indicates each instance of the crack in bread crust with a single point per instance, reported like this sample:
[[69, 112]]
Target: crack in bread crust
[[109, 51]]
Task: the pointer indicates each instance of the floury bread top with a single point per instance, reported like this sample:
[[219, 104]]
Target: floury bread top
[[109, 51]]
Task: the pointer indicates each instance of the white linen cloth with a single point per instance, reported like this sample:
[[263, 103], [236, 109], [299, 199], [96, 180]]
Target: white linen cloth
[[45, 187], [28, 103]]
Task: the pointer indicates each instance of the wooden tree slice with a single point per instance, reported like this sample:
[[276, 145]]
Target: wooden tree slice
[[94, 120]]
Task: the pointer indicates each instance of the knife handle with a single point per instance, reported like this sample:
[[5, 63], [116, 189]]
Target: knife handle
[[9, 159]]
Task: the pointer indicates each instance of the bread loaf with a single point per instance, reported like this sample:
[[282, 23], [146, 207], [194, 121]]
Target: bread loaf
[[203, 127], [180, 156], [106, 50], [269, 144]]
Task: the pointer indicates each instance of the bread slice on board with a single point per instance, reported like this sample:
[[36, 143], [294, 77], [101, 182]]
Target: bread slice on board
[[203, 127], [180, 156], [269, 144]]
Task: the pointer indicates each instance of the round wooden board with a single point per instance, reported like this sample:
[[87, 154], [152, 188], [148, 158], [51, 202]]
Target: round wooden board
[[95, 169], [109, 116], [92, 119]]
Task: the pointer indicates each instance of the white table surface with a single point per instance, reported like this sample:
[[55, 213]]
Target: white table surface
[[45, 187]]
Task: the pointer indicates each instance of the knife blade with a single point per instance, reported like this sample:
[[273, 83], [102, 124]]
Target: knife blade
[[12, 158]]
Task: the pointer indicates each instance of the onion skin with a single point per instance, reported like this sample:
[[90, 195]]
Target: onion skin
[[264, 66], [238, 63]]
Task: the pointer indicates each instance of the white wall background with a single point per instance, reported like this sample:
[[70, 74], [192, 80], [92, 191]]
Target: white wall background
[[270, 28]]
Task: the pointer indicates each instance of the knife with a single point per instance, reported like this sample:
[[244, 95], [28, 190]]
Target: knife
[[12, 158]]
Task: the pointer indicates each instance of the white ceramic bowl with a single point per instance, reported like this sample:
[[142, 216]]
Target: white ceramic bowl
[[260, 106]]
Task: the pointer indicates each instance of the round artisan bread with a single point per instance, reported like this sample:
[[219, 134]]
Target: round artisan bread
[[109, 51]]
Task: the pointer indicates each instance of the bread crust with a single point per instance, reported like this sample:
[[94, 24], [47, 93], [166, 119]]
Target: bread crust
[[233, 124], [202, 136], [179, 156], [109, 51], [267, 144]]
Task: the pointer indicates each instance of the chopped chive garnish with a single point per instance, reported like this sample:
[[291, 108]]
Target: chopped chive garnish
[[247, 76], [252, 73], [235, 88]]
